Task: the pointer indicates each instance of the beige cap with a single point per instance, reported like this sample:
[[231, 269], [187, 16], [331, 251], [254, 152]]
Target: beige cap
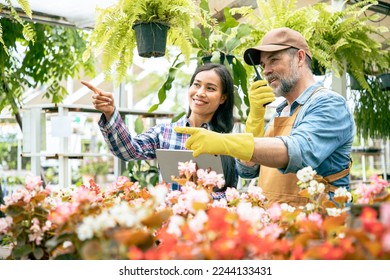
[[276, 40]]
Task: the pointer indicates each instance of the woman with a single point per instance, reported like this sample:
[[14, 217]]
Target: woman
[[211, 101]]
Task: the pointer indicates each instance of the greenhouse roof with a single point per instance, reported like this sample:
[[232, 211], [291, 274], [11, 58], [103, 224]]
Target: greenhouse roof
[[79, 13]]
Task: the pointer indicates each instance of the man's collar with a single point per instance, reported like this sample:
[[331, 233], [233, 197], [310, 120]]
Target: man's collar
[[302, 98]]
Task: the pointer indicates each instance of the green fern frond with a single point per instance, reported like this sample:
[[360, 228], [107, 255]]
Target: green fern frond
[[28, 32], [2, 41], [25, 5]]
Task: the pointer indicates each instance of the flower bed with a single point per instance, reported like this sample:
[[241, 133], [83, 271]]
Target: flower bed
[[126, 221]]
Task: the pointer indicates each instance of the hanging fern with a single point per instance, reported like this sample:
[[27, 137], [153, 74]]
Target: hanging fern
[[334, 37], [372, 111], [114, 38]]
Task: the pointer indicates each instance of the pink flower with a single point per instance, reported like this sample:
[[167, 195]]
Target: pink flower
[[316, 218], [272, 230], [385, 214], [256, 193], [32, 182], [5, 223], [120, 181], [275, 212], [187, 168], [85, 195], [232, 194], [210, 178], [378, 181], [36, 234], [386, 241], [62, 213]]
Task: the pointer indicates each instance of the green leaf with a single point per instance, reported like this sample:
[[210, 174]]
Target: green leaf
[[25, 5], [153, 108], [139, 125], [162, 93], [52, 243], [21, 251], [38, 253], [14, 210], [28, 33], [177, 117]]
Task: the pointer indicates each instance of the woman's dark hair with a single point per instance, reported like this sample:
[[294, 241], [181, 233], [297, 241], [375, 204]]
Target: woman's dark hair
[[222, 120]]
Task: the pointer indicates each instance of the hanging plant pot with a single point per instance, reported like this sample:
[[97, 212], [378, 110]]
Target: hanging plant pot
[[354, 84], [151, 38], [222, 58], [384, 81], [317, 68]]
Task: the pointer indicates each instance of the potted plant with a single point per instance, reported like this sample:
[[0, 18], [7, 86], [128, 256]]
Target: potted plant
[[223, 41], [371, 110], [95, 169], [218, 41], [114, 35]]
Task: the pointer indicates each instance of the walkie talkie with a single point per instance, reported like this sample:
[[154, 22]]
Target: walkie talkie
[[258, 76]]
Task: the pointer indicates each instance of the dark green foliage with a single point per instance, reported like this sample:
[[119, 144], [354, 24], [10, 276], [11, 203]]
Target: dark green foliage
[[55, 54]]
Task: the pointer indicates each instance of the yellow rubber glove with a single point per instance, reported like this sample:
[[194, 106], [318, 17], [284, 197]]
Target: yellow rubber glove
[[203, 141], [259, 95]]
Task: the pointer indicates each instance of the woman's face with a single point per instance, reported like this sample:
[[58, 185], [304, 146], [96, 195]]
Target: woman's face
[[205, 94]]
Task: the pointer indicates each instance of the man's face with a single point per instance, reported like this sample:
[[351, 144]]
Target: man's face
[[281, 70]]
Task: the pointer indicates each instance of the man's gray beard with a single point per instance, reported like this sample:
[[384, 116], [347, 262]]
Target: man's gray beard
[[285, 87], [287, 84]]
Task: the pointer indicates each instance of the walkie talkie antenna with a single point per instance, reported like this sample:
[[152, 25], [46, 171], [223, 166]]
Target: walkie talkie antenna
[[258, 76]]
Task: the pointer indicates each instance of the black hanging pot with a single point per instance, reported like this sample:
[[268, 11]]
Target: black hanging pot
[[354, 84], [317, 68], [229, 58], [151, 38], [384, 81]]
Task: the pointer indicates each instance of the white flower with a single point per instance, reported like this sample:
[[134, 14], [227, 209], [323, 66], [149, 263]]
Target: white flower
[[320, 188], [313, 183], [312, 190], [180, 207], [104, 221], [339, 192], [306, 174], [67, 244], [309, 207], [287, 208], [249, 213], [84, 231], [159, 192], [333, 211], [221, 203], [196, 224], [232, 194], [174, 225], [195, 196], [301, 216], [256, 192]]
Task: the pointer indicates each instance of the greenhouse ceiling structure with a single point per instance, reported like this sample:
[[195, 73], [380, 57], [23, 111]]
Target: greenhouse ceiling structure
[[82, 13]]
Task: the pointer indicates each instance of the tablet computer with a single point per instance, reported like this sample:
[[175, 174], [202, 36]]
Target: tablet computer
[[168, 162]]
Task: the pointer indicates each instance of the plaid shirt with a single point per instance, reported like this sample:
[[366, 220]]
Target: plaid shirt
[[143, 146]]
